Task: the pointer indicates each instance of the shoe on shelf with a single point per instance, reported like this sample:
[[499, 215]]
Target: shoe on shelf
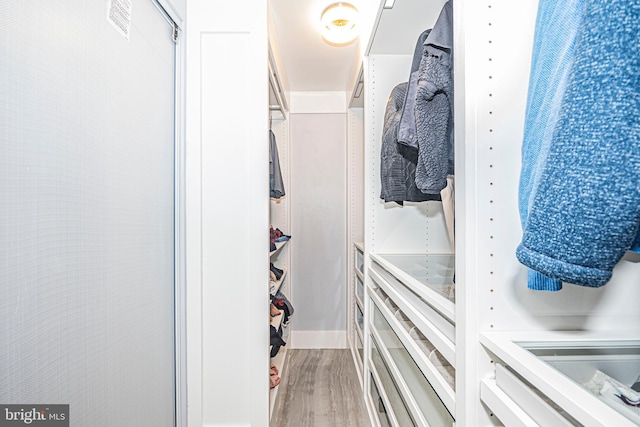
[[274, 234], [276, 271], [274, 310], [274, 380], [282, 233]]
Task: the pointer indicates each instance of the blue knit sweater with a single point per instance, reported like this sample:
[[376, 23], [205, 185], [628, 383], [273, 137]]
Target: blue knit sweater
[[585, 213], [553, 46]]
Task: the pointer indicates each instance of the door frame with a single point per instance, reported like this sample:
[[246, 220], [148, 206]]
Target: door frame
[[170, 13]]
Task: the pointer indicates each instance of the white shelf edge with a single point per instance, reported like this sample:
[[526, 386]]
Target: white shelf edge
[[383, 394], [279, 282], [444, 345], [359, 246], [528, 399], [358, 362], [374, 29], [578, 402], [401, 384], [359, 330], [359, 302], [507, 411], [278, 360], [370, 404], [279, 246], [360, 335], [436, 318], [437, 301], [431, 373]]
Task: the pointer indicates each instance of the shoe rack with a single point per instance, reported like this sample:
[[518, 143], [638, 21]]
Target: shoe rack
[[279, 217]]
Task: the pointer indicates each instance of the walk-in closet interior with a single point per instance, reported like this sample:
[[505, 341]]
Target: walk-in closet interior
[[446, 325], [459, 213]]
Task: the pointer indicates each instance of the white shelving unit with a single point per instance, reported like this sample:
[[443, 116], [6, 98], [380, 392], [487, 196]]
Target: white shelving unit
[[492, 351], [357, 308], [279, 245], [273, 289], [408, 263], [280, 359], [355, 183], [279, 208], [538, 367], [382, 381], [279, 362], [389, 321]]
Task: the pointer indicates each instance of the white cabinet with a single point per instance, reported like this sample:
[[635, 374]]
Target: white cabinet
[[420, 330], [411, 366]]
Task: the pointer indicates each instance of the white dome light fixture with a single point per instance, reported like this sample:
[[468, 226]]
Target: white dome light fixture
[[340, 24]]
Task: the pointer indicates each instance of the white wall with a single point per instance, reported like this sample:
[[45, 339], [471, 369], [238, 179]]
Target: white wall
[[318, 150]]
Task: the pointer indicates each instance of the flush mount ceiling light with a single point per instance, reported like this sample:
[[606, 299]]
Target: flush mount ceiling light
[[340, 24]]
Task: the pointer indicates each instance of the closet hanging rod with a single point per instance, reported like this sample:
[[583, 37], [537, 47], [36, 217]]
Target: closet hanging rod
[[276, 112], [276, 91]]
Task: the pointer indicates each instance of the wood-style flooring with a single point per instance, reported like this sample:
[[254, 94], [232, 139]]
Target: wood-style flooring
[[320, 388]]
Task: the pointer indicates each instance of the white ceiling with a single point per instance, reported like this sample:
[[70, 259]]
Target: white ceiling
[[313, 65]]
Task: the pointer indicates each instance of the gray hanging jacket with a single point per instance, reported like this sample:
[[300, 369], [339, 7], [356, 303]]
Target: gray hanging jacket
[[407, 128], [398, 162], [276, 184], [434, 106]]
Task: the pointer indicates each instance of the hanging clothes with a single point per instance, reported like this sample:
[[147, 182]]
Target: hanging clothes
[[276, 184], [555, 34], [407, 132], [398, 162], [586, 212], [434, 106]]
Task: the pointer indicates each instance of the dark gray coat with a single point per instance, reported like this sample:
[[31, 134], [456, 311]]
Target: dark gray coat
[[434, 106], [407, 132], [398, 162]]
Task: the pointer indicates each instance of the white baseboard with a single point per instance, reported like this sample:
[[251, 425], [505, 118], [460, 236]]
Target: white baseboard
[[317, 339]]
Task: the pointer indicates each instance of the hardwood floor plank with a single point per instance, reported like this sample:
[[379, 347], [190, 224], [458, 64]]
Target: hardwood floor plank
[[320, 389]]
